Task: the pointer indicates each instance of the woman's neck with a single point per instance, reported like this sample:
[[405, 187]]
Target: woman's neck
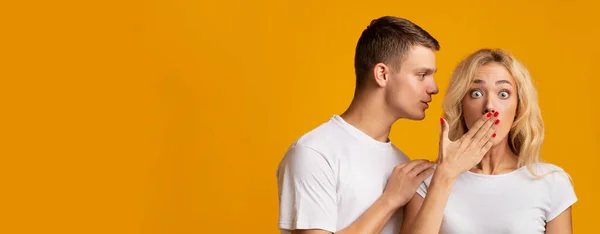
[[498, 160]]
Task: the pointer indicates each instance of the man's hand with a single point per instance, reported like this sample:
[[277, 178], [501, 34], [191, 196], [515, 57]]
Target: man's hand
[[457, 157], [406, 177]]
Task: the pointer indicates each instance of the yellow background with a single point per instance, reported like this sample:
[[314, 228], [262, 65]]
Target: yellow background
[[171, 116]]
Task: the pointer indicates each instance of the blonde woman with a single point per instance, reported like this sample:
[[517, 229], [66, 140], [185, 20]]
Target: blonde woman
[[508, 190]]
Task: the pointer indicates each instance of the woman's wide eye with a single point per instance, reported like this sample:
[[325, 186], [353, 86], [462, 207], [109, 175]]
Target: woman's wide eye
[[504, 94], [476, 94]]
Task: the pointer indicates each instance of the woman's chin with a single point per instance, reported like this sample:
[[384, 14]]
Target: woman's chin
[[496, 141]]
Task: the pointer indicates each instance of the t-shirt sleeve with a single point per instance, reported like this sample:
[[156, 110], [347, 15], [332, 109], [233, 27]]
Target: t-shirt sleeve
[[422, 189], [307, 191], [562, 194]]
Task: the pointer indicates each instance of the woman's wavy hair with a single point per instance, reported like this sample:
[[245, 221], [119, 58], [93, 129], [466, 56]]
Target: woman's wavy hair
[[527, 132]]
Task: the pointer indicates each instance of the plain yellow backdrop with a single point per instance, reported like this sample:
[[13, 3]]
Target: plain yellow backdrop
[[171, 116]]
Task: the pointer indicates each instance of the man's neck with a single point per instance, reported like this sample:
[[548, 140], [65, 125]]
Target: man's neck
[[369, 115]]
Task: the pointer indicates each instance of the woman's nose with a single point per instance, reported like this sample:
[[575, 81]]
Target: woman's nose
[[486, 110]]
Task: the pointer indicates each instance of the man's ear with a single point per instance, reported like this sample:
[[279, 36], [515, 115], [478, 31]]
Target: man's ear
[[381, 74]]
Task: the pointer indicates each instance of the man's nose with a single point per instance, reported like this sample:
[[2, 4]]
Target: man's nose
[[433, 89]]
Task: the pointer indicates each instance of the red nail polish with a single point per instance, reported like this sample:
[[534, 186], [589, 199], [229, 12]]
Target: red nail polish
[[494, 135], [442, 121], [489, 114], [496, 114], [497, 121]]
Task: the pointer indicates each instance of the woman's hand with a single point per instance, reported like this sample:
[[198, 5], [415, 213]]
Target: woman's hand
[[457, 157]]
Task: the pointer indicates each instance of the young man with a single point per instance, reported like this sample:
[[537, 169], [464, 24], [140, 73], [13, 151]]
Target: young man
[[346, 176]]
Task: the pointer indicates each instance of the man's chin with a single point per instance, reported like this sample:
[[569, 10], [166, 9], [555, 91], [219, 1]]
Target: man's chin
[[419, 116]]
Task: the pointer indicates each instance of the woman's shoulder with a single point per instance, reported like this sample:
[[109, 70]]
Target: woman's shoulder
[[544, 167], [548, 171], [559, 189]]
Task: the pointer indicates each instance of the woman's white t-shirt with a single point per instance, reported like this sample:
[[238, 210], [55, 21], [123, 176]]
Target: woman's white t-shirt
[[514, 202]]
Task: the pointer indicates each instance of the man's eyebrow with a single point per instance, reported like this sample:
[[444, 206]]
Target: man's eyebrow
[[427, 69]]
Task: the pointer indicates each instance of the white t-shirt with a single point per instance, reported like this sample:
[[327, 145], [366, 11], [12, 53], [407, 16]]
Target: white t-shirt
[[515, 202], [331, 175]]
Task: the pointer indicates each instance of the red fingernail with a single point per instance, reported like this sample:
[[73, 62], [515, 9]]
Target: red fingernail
[[442, 121], [496, 114], [494, 135], [497, 121], [489, 114]]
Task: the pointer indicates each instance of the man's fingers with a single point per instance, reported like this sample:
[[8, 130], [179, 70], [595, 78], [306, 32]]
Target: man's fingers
[[426, 173], [420, 168], [401, 165], [412, 164], [404, 164]]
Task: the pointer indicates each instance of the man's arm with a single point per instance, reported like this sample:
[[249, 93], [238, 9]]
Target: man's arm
[[372, 221], [410, 212], [306, 182], [425, 215]]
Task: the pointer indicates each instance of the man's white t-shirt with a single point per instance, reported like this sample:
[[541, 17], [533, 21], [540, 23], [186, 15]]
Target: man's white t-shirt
[[514, 202], [331, 175]]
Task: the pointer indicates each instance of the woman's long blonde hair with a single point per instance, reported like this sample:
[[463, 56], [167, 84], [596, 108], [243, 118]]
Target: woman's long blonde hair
[[527, 132]]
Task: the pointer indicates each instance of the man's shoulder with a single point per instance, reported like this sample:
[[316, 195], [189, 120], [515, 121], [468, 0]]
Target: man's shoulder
[[401, 156], [317, 143], [325, 136]]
